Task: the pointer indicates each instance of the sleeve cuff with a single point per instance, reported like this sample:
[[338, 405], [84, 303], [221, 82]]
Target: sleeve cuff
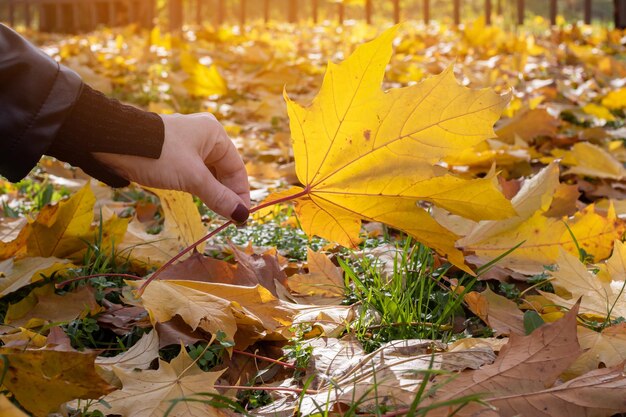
[[99, 124]]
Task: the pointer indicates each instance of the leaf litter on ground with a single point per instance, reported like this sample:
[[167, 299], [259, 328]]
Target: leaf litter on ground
[[404, 156]]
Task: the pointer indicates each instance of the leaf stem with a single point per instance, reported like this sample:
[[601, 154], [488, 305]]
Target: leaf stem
[[193, 246], [105, 274], [248, 388], [266, 359]]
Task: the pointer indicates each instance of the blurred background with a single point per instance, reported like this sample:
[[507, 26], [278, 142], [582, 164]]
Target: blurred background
[[75, 16]]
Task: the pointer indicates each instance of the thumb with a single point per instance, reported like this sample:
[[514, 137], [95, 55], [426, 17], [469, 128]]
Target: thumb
[[218, 197]]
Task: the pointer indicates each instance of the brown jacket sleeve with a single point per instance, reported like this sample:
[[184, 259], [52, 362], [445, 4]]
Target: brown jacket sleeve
[[46, 109]]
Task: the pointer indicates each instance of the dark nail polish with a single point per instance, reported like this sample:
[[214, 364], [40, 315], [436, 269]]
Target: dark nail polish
[[241, 214]]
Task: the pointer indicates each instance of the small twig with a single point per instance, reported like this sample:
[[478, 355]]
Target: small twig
[[284, 389], [180, 255], [69, 281], [537, 284], [443, 327], [213, 233], [266, 359]]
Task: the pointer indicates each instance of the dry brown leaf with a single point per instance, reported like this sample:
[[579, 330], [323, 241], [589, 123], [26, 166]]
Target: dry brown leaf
[[244, 314], [500, 313], [149, 393], [599, 393], [176, 332], [527, 364], [250, 270], [15, 274], [43, 379], [329, 321], [43, 306], [324, 278], [389, 376], [528, 125]]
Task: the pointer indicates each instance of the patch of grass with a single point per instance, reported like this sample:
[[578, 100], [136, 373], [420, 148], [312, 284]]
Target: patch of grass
[[415, 301], [210, 356], [31, 195]]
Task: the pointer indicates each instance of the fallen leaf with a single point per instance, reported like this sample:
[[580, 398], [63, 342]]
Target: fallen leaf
[[61, 230], [42, 306], [589, 160], [202, 81], [526, 364], [176, 332], [365, 153], [540, 238], [324, 278], [598, 393], [605, 349], [615, 99], [121, 319], [15, 274], [43, 379], [564, 202], [500, 313], [250, 270], [182, 227], [572, 281], [341, 373], [598, 111], [139, 356], [149, 393], [528, 125], [24, 338], [244, 314], [8, 409]]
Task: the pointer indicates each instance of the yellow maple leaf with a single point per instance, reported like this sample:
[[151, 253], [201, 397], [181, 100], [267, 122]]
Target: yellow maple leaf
[[42, 306], [60, 230], [149, 393], [182, 227], [616, 99], [542, 236], [367, 154], [243, 314], [43, 379], [598, 111], [202, 80]]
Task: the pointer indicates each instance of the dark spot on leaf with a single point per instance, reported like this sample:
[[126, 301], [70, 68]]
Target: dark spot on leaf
[[366, 134]]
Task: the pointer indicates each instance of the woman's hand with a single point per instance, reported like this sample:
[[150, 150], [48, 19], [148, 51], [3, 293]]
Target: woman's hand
[[197, 157]]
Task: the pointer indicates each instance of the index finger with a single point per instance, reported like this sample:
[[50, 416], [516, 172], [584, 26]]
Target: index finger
[[229, 167]]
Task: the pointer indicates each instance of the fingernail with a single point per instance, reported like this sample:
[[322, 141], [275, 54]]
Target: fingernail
[[241, 214]]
